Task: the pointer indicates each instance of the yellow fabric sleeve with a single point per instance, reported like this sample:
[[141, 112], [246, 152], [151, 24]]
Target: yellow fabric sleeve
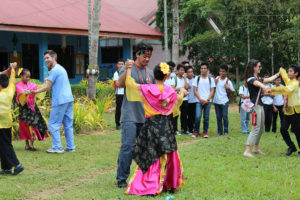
[[23, 98], [284, 76], [11, 86], [176, 111], [132, 93], [284, 90]]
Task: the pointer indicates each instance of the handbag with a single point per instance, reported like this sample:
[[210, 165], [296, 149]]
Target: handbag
[[248, 106]]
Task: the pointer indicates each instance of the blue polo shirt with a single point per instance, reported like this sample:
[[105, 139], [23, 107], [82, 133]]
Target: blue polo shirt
[[61, 88]]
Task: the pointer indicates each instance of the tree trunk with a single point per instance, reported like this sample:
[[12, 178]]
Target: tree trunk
[[271, 45], [93, 48], [166, 31], [237, 75], [175, 39], [248, 35]]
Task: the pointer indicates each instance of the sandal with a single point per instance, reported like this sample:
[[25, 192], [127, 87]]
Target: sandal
[[27, 148]]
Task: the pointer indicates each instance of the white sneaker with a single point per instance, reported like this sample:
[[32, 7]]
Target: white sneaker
[[189, 133], [205, 135], [55, 150], [178, 133]]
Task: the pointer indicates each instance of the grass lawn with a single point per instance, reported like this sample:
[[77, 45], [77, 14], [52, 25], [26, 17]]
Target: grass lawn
[[214, 168]]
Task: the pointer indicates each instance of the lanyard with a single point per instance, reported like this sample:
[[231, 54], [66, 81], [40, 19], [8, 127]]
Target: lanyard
[[148, 78]]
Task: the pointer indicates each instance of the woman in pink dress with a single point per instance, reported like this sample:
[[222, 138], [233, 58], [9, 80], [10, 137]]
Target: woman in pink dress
[[159, 166], [32, 125]]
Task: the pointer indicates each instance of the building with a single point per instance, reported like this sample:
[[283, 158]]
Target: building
[[28, 28]]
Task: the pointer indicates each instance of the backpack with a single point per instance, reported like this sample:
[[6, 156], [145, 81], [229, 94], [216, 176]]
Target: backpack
[[198, 80]]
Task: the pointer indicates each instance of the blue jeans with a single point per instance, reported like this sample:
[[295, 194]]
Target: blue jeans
[[222, 115], [129, 132], [198, 116], [62, 114], [245, 121]]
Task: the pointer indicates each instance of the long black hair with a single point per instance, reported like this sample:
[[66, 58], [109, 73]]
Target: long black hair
[[158, 74], [250, 68]]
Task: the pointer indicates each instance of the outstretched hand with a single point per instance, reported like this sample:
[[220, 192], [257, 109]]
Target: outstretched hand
[[129, 63], [13, 65]]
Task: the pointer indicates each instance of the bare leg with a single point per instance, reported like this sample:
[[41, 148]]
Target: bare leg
[[27, 147], [247, 152], [257, 150]]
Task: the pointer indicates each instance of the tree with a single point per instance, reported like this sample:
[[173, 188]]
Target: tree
[[175, 38], [93, 34]]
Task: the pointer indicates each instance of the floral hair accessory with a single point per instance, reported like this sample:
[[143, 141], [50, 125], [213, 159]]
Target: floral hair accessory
[[164, 67]]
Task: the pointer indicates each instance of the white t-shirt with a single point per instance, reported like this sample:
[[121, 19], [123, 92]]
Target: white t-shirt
[[267, 100], [278, 99], [119, 91], [221, 92], [191, 96], [180, 84], [170, 82], [243, 90], [172, 75], [204, 87]]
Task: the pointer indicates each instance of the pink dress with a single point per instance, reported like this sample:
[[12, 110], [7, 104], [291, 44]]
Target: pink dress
[[159, 166]]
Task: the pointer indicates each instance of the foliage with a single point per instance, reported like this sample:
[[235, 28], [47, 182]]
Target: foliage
[[102, 89], [272, 26], [89, 113]]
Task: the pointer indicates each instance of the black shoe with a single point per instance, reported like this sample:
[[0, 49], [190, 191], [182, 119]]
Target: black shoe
[[5, 171], [118, 127], [122, 184], [290, 151], [19, 168]]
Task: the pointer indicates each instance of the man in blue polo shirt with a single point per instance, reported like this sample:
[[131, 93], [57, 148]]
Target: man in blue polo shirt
[[62, 104]]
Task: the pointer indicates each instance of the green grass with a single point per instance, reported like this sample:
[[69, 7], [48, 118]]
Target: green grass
[[213, 168]]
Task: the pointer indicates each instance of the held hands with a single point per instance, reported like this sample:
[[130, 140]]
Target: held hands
[[184, 92], [275, 109], [13, 65], [267, 89], [129, 63], [28, 92]]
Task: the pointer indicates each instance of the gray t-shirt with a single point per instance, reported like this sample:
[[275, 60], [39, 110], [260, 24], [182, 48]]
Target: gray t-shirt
[[133, 111]]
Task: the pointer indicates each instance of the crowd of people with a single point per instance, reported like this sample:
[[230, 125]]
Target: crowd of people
[[140, 127], [149, 104]]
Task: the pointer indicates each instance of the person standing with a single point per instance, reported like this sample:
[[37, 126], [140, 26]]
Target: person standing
[[267, 101], [133, 113], [181, 82], [224, 88], [119, 94], [278, 104], [245, 116], [32, 125], [172, 68], [159, 166], [7, 153], [192, 99], [255, 86], [292, 111], [62, 104], [204, 88]]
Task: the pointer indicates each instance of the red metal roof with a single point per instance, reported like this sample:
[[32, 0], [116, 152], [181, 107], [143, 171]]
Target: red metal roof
[[70, 17], [143, 10]]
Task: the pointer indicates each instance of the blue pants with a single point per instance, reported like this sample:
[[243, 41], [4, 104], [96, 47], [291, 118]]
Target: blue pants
[[198, 116], [222, 115], [129, 132], [245, 121], [62, 114]]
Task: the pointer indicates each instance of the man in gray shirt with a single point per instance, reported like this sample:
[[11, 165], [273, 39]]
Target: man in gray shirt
[[133, 113]]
